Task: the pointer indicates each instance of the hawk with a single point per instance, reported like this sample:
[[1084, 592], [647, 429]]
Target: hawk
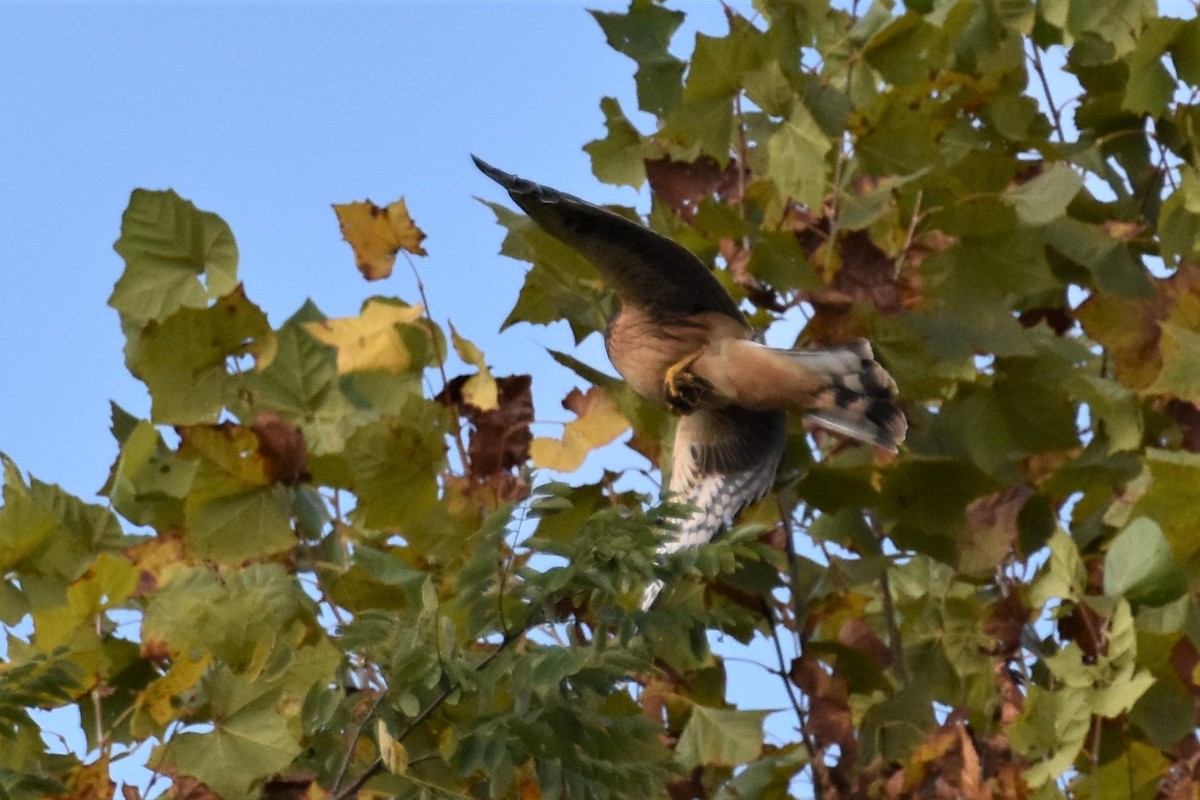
[[680, 340]]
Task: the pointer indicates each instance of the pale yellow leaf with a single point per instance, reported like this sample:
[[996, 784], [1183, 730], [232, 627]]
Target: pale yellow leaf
[[370, 340], [480, 390], [598, 424]]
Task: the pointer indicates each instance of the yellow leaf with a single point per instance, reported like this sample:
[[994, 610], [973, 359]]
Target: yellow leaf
[[156, 699], [598, 424], [480, 390], [393, 754], [376, 234], [370, 340], [92, 782]]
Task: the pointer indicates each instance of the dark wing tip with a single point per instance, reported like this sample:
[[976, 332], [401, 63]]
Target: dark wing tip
[[515, 184]]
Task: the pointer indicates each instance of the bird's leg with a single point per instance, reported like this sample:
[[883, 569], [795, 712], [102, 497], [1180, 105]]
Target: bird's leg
[[685, 391]]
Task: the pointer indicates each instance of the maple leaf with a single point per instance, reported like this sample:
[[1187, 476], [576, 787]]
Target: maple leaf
[[376, 234]]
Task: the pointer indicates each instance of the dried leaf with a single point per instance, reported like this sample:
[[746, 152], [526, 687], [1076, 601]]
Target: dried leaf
[[377, 234]]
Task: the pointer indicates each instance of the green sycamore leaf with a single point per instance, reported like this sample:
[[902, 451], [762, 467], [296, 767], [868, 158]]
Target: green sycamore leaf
[[1113, 267], [237, 616], [1180, 375], [395, 463], [1045, 198], [720, 737], [1170, 500], [149, 481], [1051, 730], [1112, 21], [796, 154], [1139, 565], [1150, 85], [175, 255], [644, 33], [1062, 576], [620, 157], [250, 740], [182, 359], [1179, 221]]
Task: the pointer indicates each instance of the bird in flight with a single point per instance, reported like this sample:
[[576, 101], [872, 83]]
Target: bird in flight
[[680, 340]]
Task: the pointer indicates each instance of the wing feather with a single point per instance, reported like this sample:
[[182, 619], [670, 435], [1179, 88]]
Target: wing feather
[[646, 269], [723, 460]]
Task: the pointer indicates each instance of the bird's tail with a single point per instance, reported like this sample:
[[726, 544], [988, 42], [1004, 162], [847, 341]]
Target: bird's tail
[[859, 398]]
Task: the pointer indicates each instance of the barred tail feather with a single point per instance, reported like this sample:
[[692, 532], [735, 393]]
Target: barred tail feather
[[859, 398]]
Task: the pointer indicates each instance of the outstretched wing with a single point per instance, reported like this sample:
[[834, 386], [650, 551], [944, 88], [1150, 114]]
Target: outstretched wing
[[645, 269], [723, 460]]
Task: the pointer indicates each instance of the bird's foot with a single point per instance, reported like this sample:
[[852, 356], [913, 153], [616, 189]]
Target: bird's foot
[[685, 391]]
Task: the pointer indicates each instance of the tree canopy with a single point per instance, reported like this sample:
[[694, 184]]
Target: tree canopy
[[325, 567]]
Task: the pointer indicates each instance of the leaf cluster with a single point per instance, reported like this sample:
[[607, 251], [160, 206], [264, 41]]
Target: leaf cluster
[[310, 575]]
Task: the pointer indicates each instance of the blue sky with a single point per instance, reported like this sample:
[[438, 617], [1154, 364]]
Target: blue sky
[[266, 114]]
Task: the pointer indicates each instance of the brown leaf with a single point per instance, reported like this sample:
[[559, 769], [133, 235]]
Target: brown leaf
[[130, 792], [1004, 623], [1187, 417], [293, 786], [1086, 628], [377, 234], [858, 272], [682, 185], [1131, 329], [1059, 320], [830, 720], [856, 633], [184, 787], [282, 448], [991, 530], [92, 782], [499, 439]]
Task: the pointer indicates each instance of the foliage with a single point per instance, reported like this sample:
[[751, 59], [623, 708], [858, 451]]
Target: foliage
[[308, 577]]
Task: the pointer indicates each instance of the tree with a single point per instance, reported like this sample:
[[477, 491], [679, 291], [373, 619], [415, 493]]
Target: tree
[[342, 582]]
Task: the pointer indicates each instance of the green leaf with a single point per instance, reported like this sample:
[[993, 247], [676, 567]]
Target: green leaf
[[618, 158], [249, 742], [1045, 198], [182, 360], [175, 255], [1113, 267], [395, 463], [1180, 375], [643, 34], [1051, 730], [237, 616], [1139, 565], [720, 737], [1062, 576], [149, 481], [1169, 500], [1150, 85], [796, 155]]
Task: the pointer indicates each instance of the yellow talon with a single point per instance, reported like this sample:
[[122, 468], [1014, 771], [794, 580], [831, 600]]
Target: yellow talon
[[683, 390], [672, 374]]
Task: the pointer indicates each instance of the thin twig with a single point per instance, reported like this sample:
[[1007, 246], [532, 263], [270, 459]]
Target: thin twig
[[895, 642], [1041, 73], [912, 231], [441, 360], [814, 753], [352, 745]]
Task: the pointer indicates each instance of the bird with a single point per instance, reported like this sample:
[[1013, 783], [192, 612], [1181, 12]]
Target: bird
[[679, 340]]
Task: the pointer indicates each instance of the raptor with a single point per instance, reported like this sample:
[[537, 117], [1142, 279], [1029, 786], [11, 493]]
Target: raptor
[[680, 340]]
